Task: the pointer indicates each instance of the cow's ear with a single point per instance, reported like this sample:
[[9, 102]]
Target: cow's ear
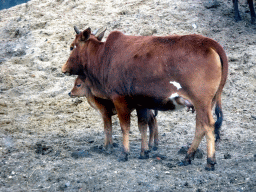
[[101, 35], [86, 34]]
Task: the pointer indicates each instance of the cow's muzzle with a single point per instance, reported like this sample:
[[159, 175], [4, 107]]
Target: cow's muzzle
[[65, 71], [70, 95]]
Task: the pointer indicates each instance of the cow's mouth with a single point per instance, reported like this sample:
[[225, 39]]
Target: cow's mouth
[[70, 95], [67, 73]]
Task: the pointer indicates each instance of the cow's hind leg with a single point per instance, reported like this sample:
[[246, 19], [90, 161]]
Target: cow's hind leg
[[124, 114], [253, 15], [204, 126]]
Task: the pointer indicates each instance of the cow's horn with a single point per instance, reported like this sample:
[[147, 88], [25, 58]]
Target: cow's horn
[[95, 32], [76, 30]]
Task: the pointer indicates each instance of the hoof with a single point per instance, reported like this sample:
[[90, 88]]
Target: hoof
[[115, 145], [209, 168], [123, 157], [184, 163], [155, 148], [188, 158], [210, 164], [145, 156], [108, 148]]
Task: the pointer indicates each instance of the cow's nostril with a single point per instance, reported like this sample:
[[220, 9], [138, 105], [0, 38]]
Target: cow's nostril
[[69, 94]]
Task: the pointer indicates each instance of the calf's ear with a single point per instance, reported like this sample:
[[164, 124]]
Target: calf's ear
[[86, 34]]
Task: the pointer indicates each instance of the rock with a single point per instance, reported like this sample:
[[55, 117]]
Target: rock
[[43, 149]]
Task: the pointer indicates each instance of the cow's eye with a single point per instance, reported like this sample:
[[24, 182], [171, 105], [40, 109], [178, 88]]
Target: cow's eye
[[79, 85], [71, 48]]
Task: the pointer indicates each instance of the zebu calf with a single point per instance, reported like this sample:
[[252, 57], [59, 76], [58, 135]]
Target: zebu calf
[[147, 72], [82, 88]]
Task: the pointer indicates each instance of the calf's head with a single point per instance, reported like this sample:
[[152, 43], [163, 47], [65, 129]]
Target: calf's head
[[80, 88], [80, 48]]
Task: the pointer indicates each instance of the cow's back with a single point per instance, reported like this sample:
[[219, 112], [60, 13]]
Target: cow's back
[[139, 65]]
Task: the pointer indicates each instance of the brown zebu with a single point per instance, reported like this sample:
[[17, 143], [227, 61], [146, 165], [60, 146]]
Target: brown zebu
[[147, 72]]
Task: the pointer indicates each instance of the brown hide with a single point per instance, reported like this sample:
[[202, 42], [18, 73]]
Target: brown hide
[[138, 71]]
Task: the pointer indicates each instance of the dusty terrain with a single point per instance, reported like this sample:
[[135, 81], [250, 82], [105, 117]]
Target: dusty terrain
[[50, 142]]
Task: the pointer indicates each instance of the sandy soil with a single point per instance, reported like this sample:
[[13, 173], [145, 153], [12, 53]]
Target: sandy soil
[[50, 142]]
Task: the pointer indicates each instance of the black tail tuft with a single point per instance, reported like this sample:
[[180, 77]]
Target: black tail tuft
[[156, 112], [218, 123]]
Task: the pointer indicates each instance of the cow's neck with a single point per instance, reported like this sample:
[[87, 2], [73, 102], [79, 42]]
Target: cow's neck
[[95, 68]]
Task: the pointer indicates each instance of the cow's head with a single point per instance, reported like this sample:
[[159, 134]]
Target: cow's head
[[80, 88], [80, 51]]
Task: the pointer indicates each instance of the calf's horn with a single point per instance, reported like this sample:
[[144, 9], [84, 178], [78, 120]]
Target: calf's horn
[[76, 30]]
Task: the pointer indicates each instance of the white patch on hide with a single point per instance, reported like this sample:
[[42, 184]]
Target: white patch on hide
[[172, 98], [174, 95], [176, 84]]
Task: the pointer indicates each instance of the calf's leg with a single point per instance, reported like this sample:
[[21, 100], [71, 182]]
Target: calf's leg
[[143, 118], [108, 144], [153, 130]]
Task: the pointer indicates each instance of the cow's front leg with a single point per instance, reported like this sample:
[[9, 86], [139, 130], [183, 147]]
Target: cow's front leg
[[124, 114], [143, 118]]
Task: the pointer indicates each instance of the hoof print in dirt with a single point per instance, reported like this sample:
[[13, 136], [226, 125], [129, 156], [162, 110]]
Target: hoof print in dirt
[[123, 157], [43, 149], [97, 149], [170, 165], [80, 154], [227, 156]]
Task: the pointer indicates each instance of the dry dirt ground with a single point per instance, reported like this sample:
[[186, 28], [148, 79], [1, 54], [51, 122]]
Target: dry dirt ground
[[50, 142]]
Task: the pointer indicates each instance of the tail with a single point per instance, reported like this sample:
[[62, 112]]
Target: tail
[[156, 113], [218, 110], [218, 123]]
